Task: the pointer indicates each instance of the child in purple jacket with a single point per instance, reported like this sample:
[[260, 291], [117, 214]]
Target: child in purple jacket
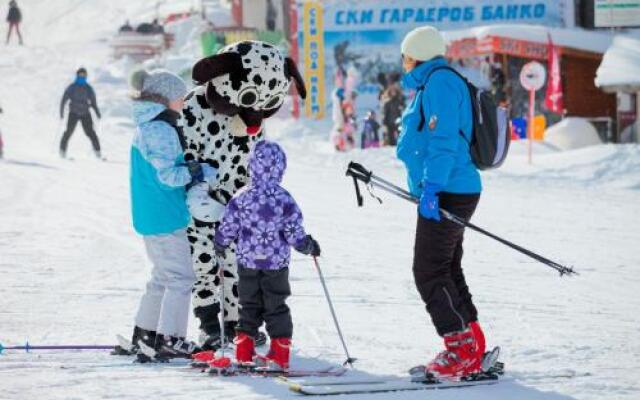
[[265, 221]]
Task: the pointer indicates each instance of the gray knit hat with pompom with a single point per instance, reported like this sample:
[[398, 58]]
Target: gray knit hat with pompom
[[158, 85]]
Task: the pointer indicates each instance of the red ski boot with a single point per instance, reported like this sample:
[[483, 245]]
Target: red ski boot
[[278, 355], [479, 335], [461, 357], [480, 340], [245, 348]]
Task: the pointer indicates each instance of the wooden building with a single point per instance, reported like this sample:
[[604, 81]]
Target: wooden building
[[507, 48]]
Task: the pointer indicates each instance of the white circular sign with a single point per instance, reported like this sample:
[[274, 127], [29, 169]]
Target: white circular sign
[[533, 76]]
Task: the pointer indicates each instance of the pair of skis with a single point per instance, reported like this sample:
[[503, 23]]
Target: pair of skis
[[489, 375], [207, 361], [320, 388]]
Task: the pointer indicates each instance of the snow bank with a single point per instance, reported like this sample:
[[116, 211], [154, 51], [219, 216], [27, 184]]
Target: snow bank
[[611, 166], [597, 42], [572, 133], [620, 65]]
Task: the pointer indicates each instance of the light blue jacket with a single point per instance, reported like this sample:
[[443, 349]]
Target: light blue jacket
[[158, 199], [438, 154]]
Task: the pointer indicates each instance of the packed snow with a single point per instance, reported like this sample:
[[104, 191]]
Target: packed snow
[[572, 133], [72, 269]]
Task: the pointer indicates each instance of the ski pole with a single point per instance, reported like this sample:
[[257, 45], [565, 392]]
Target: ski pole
[[350, 360], [28, 347], [360, 173], [223, 338]]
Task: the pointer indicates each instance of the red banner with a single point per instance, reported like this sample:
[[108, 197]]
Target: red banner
[[553, 99]]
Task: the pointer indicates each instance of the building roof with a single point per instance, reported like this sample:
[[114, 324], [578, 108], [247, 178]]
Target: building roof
[[620, 67], [576, 38]]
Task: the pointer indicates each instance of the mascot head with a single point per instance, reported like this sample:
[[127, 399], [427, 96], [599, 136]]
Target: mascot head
[[248, 81]]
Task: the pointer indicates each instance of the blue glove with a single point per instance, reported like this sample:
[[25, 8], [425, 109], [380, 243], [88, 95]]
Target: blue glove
[[429, 206]]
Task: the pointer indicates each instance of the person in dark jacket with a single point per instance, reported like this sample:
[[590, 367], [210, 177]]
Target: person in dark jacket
[[81, 98], [392, 106], [441, 172], [14, 17]]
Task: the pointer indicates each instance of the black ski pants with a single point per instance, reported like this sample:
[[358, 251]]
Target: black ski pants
[[262, 297], [437, 265], [87, 125]]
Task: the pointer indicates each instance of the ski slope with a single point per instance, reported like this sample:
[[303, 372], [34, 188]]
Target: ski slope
[[72, 269]]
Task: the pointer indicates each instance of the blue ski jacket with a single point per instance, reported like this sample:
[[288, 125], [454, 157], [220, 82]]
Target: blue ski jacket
[[438, 154], [157, 176]]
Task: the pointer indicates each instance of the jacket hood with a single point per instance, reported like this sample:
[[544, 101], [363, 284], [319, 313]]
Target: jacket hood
[[145, 111], [418, 76], [267, 164]]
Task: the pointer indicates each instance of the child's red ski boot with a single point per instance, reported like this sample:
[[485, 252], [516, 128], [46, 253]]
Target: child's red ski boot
[[461, 357], [278, 356], [245, 348]]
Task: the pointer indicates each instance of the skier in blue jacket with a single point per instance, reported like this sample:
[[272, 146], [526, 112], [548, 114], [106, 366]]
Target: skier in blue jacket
[[437, 128], [158, 177]]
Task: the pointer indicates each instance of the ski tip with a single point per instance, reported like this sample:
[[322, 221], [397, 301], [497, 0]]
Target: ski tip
[[1, 348], [295, 387]]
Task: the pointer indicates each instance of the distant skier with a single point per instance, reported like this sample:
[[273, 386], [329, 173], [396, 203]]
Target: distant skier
[[272, 16], [81, 97], [392, 106], [158, 198], [264, 221], [370, 135], [14, 18], [437, 128]]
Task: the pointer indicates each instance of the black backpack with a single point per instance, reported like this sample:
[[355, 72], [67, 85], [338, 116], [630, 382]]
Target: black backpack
[[490, 137]]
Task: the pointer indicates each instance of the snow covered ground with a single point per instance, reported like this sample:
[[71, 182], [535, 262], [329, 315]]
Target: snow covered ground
[[72, 269]]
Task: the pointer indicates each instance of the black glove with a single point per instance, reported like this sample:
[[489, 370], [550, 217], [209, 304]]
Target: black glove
[[195, 170], [309, 247]]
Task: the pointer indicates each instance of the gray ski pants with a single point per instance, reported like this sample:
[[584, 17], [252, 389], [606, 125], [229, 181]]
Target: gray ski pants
[[165, 305]]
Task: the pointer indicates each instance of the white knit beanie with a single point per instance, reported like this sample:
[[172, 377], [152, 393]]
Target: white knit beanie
[[423, 43]]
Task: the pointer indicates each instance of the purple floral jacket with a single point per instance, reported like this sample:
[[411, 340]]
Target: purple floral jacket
[[263, 217]]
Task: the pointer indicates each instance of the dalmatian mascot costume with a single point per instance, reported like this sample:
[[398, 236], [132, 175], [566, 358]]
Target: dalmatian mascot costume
[[238, 88]]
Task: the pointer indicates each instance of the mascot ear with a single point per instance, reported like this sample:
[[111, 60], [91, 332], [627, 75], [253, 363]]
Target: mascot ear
[[291, 71], [214, 66]]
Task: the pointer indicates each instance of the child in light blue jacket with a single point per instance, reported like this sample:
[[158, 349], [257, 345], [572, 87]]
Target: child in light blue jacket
[[158, 177]]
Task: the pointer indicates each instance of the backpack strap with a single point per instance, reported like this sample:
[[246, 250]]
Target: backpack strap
[[422, 117], [171, 117], [422, 87]]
